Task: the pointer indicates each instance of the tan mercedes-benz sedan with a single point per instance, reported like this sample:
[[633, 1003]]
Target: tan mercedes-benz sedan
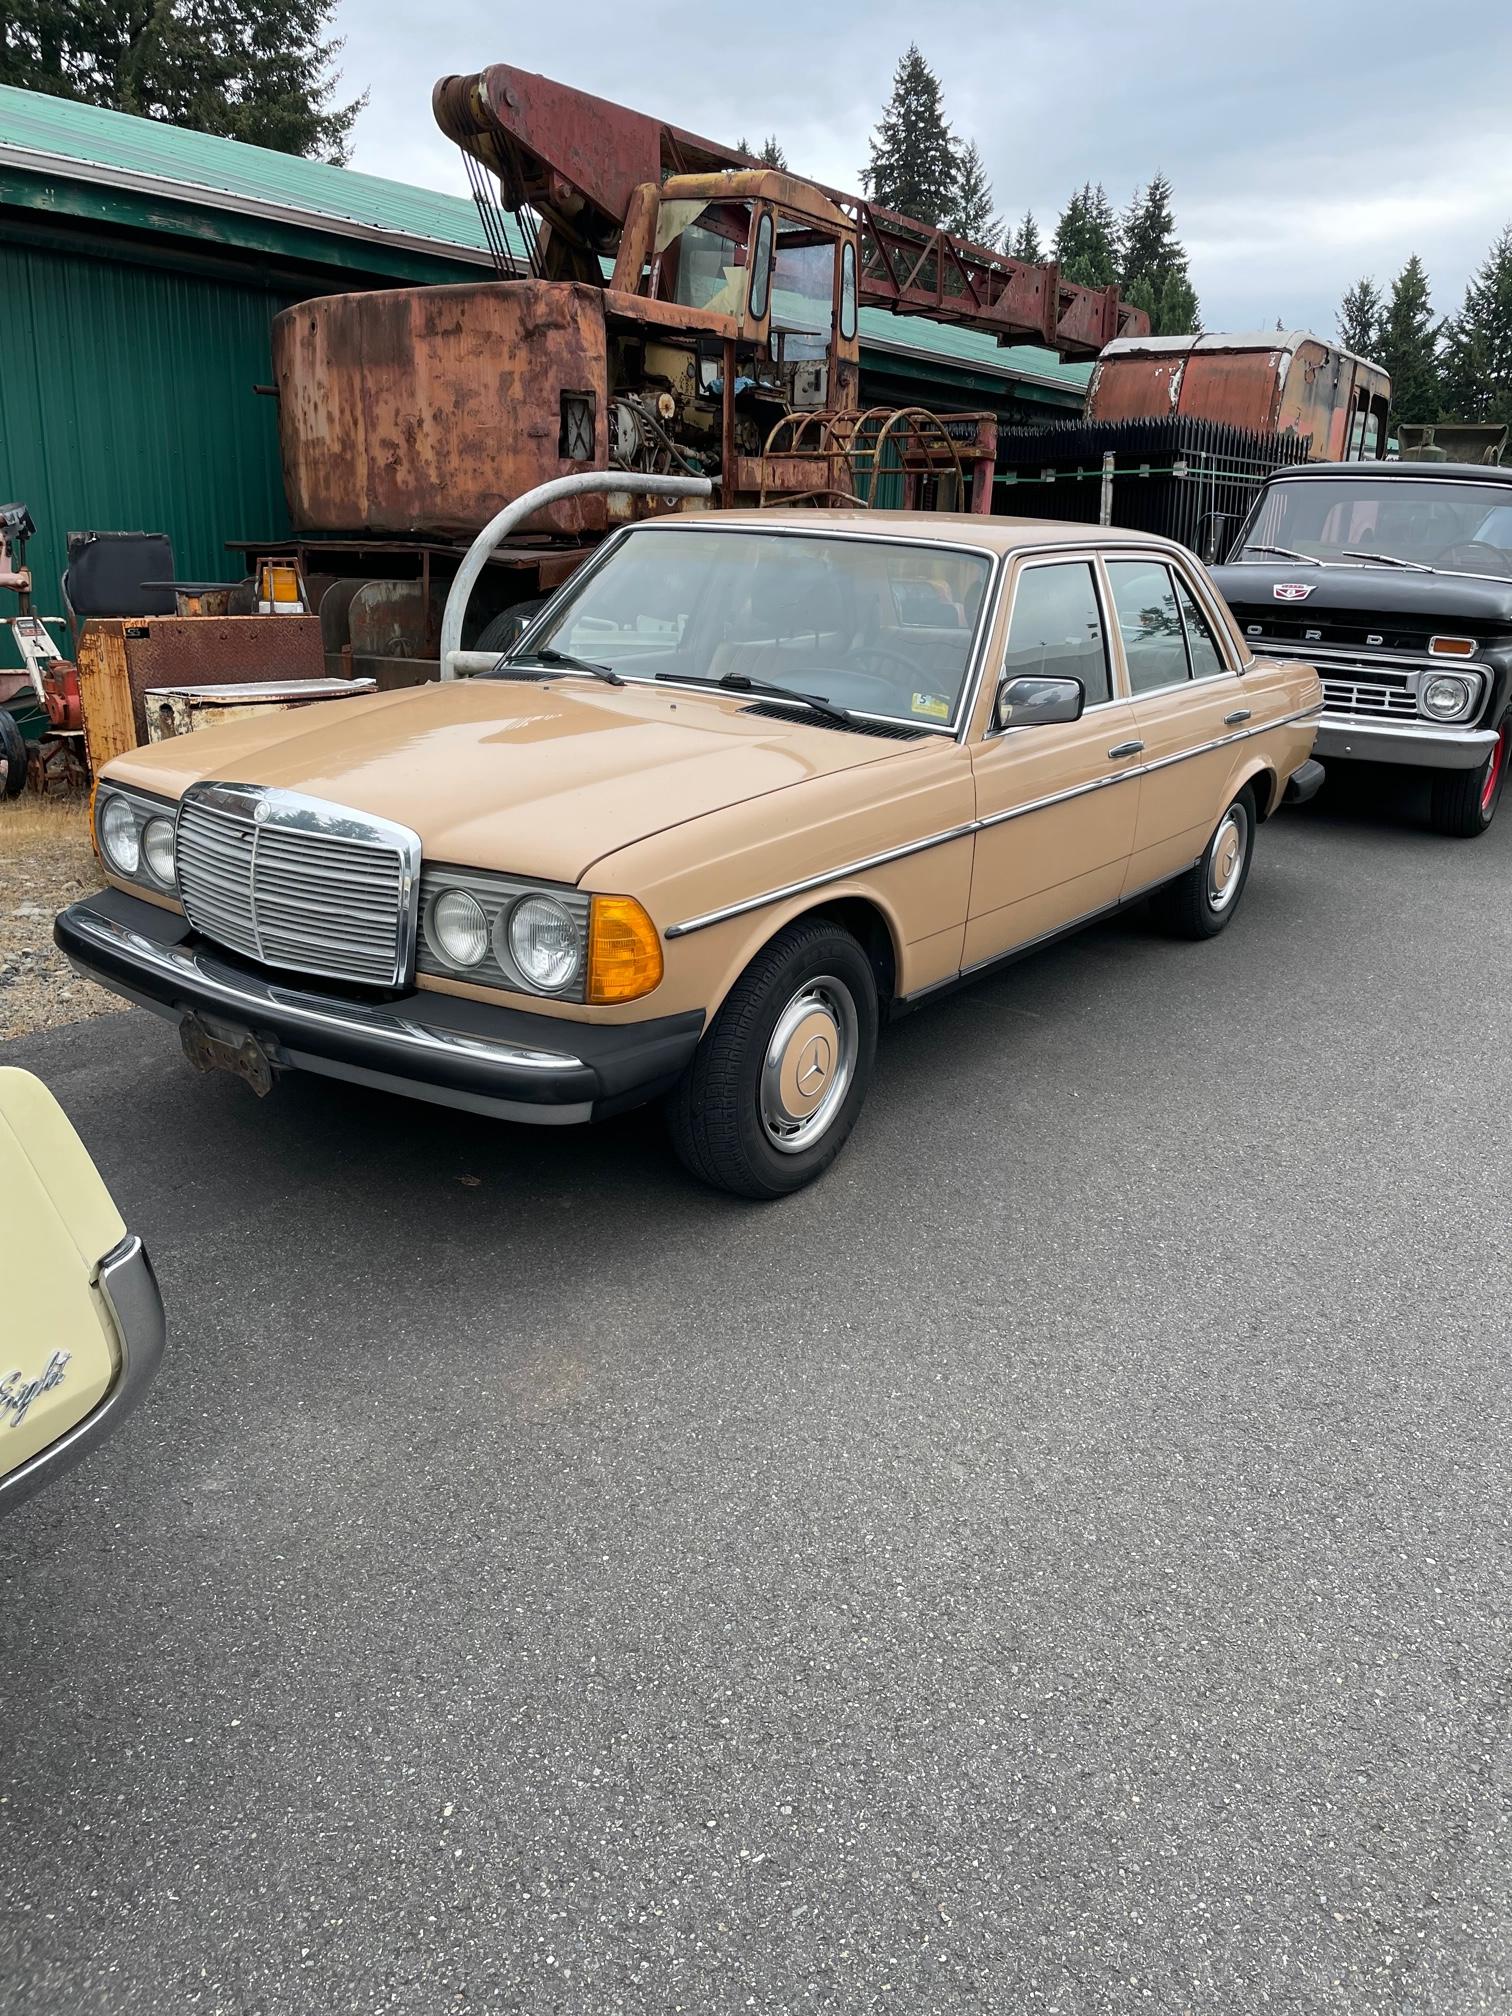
[[751, 783]]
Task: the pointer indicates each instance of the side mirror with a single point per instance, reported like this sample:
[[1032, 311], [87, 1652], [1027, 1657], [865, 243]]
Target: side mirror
[[1038, 703]]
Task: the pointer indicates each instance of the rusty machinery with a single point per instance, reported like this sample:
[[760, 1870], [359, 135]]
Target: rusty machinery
[[687, 312]]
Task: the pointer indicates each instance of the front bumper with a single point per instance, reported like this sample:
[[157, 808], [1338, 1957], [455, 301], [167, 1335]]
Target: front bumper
[[1356, 739], [130, 1290], [438, 1047]]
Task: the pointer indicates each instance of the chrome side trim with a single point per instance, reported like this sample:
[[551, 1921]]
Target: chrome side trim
[[801, 888], [245, 997], [130, 1292], [780, 895]]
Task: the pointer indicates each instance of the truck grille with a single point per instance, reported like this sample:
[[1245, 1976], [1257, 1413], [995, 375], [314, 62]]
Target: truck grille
[[299, 883], [1342, 695]]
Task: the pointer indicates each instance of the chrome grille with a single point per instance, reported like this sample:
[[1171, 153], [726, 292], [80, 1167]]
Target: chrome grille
[[298, 883], [1368, 696]]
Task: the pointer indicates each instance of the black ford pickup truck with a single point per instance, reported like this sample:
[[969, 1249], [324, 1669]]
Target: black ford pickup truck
[[1395, 580]]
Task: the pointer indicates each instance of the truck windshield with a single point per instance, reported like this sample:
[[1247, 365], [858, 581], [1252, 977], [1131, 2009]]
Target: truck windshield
[[879, 627], [1457, 527]]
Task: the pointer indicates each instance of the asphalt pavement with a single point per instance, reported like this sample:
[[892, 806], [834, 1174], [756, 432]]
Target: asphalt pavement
[[1059, 1563]]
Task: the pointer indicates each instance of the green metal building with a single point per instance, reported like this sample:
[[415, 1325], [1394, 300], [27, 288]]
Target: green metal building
[[141, 267]]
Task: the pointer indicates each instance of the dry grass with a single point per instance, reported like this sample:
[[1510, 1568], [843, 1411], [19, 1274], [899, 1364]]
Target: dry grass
[[46, 861]]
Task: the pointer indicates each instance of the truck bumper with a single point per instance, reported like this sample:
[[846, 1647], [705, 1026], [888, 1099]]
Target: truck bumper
[[1352, 738], [438, 1047]]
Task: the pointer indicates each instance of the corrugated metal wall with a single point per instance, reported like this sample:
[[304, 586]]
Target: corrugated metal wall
[[126, 404]]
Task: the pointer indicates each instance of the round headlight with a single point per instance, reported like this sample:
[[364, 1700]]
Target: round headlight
[[545, 943], [457, 928], [118, 837], [1443, 698], [157, 849]]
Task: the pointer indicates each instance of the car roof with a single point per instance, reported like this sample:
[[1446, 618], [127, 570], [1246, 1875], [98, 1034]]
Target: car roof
[[947, 528], [1476, 472]]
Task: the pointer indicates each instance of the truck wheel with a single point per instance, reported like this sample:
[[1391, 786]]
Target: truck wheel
[[500, 631], [775, 1086], [1199, 903], [12, 756], [1464, 801]]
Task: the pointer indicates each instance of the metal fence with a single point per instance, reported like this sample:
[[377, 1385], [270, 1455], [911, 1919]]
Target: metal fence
[[1186, 479]]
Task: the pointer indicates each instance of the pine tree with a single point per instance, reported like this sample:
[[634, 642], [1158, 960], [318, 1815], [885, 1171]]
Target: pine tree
[[769, 153], [973, 216], [1025, 242], [1086, 238], [1153, 262], [1407, 345], [255, 70], [1477, 370], [1361, 314], [913, 166]]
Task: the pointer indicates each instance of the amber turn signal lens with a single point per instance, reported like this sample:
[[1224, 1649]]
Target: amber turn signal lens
[[624, 952], [1452, 647]]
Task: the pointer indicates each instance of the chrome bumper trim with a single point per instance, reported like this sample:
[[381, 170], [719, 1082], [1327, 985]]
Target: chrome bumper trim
[[130, 1291], [244, 996], [1356, 738]]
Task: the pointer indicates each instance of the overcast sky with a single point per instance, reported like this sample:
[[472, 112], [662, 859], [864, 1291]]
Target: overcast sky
[[1307, 143]]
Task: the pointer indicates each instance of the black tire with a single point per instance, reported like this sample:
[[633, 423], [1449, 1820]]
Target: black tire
[[815, 983], [1200, 903], [500, 631], [13, 755], [1464, 802]]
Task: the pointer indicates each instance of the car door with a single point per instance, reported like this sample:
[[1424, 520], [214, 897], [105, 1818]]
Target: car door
[[1056, 804], [1187, 701]]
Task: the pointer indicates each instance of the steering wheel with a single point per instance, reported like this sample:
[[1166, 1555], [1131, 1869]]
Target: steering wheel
[[1477, 550], [882, 656]]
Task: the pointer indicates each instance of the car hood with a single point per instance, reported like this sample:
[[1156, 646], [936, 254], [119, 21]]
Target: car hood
[[530, 779], [1365, 595]]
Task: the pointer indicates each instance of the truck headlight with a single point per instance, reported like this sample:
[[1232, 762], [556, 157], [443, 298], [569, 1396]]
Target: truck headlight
[[1444, 697], [457, 928], [120, 836], [157, 850], [545, 943]]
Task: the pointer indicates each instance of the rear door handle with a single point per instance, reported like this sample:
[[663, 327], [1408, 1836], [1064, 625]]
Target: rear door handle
[[1125, 749], [1239, 714]]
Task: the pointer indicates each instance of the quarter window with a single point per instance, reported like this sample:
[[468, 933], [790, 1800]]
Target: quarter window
[[1056, 630], [1149, 622]]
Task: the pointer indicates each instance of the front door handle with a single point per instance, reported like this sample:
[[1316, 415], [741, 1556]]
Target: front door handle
[[1125, 749], [1239, 714]]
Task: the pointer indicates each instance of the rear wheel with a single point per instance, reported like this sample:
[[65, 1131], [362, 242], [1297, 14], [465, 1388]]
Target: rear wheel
[[1464, 801], [12, 756], [779, 1078], [1200, 903]]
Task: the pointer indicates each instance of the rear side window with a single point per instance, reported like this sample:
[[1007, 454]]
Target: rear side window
[[1056, 630], [1202, 646], [1149, 621]]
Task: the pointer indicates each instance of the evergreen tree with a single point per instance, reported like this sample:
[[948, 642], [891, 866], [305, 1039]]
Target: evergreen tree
[[255, 70], [1086, 238], [1361, 314], [913, 166], [1025, 242], [1153, 268], [769, 153], [1477, 372], [973, 216], [1407, 345]]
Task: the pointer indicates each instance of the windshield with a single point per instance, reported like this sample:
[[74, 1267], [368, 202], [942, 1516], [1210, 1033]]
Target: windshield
[[872, 625], [1463, 528]]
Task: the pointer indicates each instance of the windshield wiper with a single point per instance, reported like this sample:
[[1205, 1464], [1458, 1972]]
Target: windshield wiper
[[1391, 560], [1287, 553], [738, 682], [562, 661]]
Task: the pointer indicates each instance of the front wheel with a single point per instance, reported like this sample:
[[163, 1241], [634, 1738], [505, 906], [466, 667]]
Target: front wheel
[[1199, 903], [1464, 802], [778, 1080], [12, 756]]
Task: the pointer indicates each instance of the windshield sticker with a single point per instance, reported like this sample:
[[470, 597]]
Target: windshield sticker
[[932, 705]]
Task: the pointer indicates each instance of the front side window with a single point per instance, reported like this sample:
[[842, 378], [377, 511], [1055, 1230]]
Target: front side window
[[803, 291], [876, 626], [1056, 630], [1149, 621]]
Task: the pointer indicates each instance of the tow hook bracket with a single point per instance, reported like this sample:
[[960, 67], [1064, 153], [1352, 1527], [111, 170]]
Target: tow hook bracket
[[240, 1053]]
